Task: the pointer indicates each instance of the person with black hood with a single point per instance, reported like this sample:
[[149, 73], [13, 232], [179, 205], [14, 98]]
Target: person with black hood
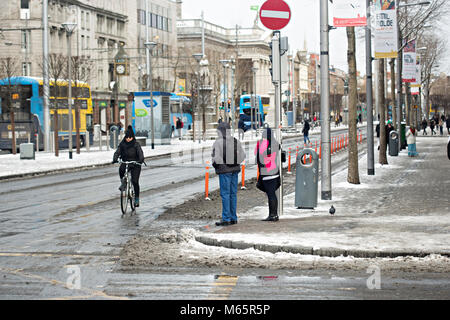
[[267, 152], [305, 132], [130, 150], [227, 156]]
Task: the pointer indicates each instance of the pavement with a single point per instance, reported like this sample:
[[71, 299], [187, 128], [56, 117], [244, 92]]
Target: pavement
[[403, 210]]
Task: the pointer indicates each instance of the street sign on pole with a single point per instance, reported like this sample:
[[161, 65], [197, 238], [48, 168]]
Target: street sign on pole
[[275, 14]]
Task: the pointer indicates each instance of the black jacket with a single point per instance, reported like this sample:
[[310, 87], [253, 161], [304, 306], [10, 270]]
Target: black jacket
[[129, 152], [227, 152]]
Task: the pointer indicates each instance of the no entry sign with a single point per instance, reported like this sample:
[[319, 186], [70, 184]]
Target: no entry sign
[[275, 14]]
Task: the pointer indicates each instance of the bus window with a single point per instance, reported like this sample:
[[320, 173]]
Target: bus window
[[265, 100], [246, 100]]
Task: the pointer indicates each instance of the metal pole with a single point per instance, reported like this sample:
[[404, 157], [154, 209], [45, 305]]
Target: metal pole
[[69, 53], [46, 87], [399, 82], [233, 108], [294, 107], [369, 100], [149, 77], [324, 101]]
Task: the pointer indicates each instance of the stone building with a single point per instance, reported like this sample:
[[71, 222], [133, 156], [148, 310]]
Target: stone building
[[102, 27]]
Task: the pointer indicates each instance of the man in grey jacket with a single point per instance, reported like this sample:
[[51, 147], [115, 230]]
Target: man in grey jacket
[[227, 156]]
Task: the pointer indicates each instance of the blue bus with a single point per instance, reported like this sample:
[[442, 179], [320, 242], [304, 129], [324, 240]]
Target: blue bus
[[245, 111], [29, 111]]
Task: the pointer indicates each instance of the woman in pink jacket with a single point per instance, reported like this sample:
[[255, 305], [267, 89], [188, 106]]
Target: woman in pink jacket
[[267, 152]]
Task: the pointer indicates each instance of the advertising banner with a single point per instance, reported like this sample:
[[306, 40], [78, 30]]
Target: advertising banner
[[386, 32], [409, 62], [349, 13]]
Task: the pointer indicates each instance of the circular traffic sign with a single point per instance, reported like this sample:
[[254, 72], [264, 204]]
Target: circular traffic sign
[[275, 14]]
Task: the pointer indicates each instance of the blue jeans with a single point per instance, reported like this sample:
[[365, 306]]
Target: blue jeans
[[228, 192], [305, 137]]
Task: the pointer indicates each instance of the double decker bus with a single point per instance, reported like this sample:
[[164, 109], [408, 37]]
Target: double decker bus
[[29, 111], [245, 111]]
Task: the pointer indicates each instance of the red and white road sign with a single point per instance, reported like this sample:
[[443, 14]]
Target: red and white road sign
[[275, 14]]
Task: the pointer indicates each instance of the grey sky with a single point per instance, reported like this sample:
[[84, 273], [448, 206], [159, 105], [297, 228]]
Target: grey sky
[[304, 25]]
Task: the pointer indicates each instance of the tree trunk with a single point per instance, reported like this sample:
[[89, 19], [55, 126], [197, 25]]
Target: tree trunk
[[353, 172], [394, 107], [382, 159], [407, 105]]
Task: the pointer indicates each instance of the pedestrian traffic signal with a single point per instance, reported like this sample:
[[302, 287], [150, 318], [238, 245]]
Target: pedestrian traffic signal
[[222, 106]]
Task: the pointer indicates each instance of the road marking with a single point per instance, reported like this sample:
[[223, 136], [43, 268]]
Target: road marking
[[37, 254], [93, 293], [223, 286]]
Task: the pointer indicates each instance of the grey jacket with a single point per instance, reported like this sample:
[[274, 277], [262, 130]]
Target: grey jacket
[[227, 152]]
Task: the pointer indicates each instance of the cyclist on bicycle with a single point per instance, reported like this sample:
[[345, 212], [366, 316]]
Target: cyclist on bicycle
[[130, 150]]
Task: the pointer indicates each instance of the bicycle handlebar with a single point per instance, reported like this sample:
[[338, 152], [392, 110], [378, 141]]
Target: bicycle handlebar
[[130, 162]]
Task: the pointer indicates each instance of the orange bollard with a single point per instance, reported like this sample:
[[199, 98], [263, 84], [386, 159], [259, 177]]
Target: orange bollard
[[207, 181], [332, 146], [320, 152], [243, 177]]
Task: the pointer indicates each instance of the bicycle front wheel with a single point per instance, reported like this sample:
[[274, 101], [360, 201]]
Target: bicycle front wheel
[[124, 201]]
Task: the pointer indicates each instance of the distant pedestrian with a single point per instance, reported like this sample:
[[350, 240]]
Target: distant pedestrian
[[305, 132], [267, 152], [447, 123], [432, 124], [377, 129], [424, 127], [411, 141], [360, 118], [227, 156], [241, 129], [441, 127], [179, 127]]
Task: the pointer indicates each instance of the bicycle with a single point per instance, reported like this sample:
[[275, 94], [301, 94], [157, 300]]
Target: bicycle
[[127, 195]]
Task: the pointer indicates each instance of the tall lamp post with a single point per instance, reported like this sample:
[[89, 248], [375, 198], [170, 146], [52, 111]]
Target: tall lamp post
[[149, 45], [198, 57], [70, 27], [225, 64], [256, 105]]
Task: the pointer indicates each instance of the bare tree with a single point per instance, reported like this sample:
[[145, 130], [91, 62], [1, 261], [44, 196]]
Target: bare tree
[[353, 172], [81, 73], [9, 68], [57, 68]]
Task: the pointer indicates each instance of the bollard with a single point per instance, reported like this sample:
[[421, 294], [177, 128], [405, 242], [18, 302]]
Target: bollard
[[87, 140], [107, 140], [296, 154], [331, 145], [207, 181], [243, 177], [289, 162], [100, 142]]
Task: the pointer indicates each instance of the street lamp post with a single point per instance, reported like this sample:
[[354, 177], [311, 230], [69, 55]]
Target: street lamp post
[[256, 103], [149, 45], [198, 57], [225, 63], [70, 27]]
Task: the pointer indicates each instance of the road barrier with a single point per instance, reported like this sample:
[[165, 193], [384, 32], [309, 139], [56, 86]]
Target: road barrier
[[243, 177], [207, 181]]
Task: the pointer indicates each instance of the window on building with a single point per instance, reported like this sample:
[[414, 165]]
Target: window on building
[[88, 21], [25, 39], [154, 21], [83, 21], [109, 25], [141, 16], [83, 43], [100, 23], [24, 4], [120, 28]]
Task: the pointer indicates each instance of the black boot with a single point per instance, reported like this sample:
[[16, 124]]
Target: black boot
[[273, 207]]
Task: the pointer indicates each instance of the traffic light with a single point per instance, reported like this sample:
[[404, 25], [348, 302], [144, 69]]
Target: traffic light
[[271, 62], [222, 106]]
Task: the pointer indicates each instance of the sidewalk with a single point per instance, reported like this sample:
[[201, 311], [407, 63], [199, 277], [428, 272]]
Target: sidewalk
[[404, 210], [11, 166]]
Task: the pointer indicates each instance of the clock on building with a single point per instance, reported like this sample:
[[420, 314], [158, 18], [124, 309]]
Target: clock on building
[[120, 69]]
